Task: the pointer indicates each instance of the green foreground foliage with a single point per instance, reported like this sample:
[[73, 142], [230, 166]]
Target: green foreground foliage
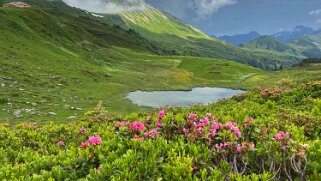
[[264, 134]]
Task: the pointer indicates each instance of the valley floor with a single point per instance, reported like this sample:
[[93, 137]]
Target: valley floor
[[65, 91]]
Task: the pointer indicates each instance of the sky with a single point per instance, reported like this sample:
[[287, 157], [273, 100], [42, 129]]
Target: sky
[[227, 17], [223, 17]]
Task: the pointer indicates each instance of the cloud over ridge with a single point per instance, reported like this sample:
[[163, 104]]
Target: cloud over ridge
[[108, 6], [208, 7], [315, 12]]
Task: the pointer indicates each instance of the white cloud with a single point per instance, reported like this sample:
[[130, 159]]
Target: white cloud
[[208, 7], [202, 8], [315, 12], [108, 6]]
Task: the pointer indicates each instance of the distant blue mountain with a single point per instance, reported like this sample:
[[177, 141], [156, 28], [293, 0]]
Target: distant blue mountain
[[240, 38], [287, 36]]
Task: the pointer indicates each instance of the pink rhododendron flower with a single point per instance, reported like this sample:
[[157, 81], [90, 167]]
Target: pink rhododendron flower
[[192, 116], [136, 136], [221, 145], [161, 114], [238, 148], [236, 132], [137, 126], [205, 121], [94, 140], [214, 128], [149, 119], [280, 136], [249, 120], [252, 146], [121, 124], [185, 130], [287, 135], [34, 126], [84, 145], [301, 153], [61, 143], [151, 133], [82, 130], [245, 126], [26, 123], [158, 123], [195, 168], [230, 125], [209, 115]]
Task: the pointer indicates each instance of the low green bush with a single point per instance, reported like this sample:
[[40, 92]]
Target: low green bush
[[264, 134]]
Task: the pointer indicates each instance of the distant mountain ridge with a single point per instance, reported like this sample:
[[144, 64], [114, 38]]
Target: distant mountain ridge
[[269, 43], [240, 38], [158, 32], [284, 36], [287, 36]]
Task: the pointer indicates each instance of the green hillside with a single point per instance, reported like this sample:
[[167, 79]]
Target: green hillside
[[169, 32], [271, 44], [59, 67], [154, 21], [311, 45]]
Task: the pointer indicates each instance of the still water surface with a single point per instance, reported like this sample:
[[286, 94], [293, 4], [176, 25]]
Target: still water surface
[[198, 95]]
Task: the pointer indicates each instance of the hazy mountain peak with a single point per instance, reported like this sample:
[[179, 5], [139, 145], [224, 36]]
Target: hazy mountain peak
[[240, 38], [287, 36]]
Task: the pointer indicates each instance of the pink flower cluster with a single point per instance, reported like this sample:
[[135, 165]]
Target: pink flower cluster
[[221, 145], [82, 130], [281, 136], [234, 129], [249, 120], [151, 133], [244, 147], [33, 125], [136, 137], [192, 116], [158, 123], [137, 126], [121, 124], [214, 128], [84, 145], [94, 140], [271, 92], [205, 121], [161, 114], [61, 143]]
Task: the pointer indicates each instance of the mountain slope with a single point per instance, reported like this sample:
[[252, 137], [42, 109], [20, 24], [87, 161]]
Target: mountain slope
[[158, 22], [271, 44], [184, 39], [178, 38], [240, 38], [60, 66], [311, 45]]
